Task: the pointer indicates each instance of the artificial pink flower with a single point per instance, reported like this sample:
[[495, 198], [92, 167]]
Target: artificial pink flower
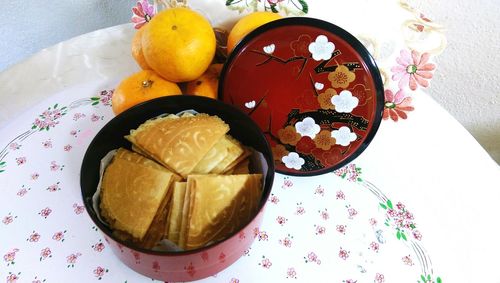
[[413, 69], [397, 105], [142, 13]]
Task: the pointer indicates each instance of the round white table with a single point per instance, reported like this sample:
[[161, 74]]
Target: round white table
[[419, 205]]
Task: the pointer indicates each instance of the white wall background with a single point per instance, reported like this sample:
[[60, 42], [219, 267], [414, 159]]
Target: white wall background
[[31, 25], [466, 83], [467, 80]]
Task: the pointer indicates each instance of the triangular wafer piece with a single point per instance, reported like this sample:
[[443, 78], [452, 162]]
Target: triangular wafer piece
[[246, 153], [185, 218], [219, 205], [137, 158], [179, 144], [156, 230], [175, 214], [215, 156], [131, 194], [235, 151]]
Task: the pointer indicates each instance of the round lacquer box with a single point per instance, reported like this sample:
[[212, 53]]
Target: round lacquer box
[[185, 265], [311, 87]]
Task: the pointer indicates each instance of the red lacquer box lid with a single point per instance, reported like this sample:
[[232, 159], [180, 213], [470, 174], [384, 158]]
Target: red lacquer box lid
[[312, 87]]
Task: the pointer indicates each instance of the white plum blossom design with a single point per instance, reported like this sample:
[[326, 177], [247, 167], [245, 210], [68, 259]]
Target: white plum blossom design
[[293, 160], [307, 127], [345, 102], [343, 136], [250, 104], [319, 86], [269, 49], [321, 49]]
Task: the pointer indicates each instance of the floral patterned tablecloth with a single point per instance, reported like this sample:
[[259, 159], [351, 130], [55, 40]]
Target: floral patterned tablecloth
[[417, 206]]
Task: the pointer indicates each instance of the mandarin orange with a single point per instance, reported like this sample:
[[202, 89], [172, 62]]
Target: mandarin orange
[[179, 44], [139, 87], [247, 24]]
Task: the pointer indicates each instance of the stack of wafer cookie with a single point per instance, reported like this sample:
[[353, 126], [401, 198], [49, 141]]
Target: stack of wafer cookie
[[188, 181]]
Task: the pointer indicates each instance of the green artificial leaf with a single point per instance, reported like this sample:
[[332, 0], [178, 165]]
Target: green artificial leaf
[[412, 226], [55, 105], [360, 180], [2, 163], [398, 235], [389, 204], [305, 7], [33, 127], [428, 277], [273, 8], [383, 206], [438, 280], [95, 103], [386, 224], [422, 277], [2, 171], [94, 98]]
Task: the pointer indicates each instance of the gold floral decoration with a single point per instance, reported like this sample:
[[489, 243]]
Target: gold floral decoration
[[324, 140], [279, 151], [288, 135], [325, 99], [341, 77]]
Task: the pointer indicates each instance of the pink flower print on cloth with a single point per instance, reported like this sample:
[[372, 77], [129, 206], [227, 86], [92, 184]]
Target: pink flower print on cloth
[[274, 199], [291, 273], [341, 229], [47, 144], [8, 219], [49, 118], [23, 191], [34, 176], [21, 160], [12, 278], [287, 242], [343, 254], [320, 230], [312, 257], [281, 220], [54, 187], [45, 253], [99, 272], [71, 259], [413, 69], [320, 191], [14, 146], [34, 237], [45, 212], [266, 263], [59, 236], [99, 247], [10, 257], [79, 209], [379, 278]]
